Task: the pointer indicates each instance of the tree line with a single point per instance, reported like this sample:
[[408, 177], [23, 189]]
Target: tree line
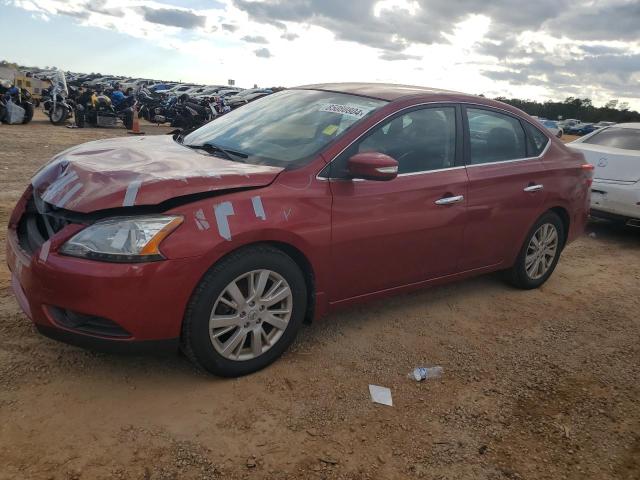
[[580, 108]]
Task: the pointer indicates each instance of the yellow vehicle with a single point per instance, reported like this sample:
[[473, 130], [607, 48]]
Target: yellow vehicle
[[33, 85]]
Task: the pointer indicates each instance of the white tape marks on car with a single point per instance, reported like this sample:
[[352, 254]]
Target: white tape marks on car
[[44, 251], [67, 196], [131, 193], [201, 221], [258, 208], [222, 211], [56, 187]]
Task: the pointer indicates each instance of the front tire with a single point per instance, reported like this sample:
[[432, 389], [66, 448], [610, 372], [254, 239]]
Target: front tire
[[59, 116], [539, 254], [245, 312]]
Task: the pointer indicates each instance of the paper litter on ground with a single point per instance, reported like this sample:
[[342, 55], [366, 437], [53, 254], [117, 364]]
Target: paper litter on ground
[[381, 395]]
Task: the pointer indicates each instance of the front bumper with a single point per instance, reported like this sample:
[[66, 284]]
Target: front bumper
[[620, 199], [146, 300]]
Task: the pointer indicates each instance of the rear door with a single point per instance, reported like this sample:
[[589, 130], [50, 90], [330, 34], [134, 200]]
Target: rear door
[[398, 232], [506, 185]]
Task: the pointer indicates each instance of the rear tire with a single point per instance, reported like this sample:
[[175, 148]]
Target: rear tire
[[539, 254], [202, 340]]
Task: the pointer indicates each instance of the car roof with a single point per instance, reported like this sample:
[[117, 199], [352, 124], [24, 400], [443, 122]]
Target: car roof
[[391, 92], [382, 91]]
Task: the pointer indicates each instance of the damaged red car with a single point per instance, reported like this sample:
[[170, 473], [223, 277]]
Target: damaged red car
[[223, 241]]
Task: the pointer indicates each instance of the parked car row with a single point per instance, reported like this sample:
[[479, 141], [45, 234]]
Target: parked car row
[[577, 127]]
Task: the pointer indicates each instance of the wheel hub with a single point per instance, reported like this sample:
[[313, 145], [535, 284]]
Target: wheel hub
[[250, 315]]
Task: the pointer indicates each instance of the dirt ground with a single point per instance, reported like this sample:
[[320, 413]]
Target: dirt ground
[[539, 384]]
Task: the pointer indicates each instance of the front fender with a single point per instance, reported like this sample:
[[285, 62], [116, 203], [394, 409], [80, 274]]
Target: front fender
[[214, 227]]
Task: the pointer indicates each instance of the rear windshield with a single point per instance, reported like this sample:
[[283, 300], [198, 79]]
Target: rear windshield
[[617, 137], [286, 128]]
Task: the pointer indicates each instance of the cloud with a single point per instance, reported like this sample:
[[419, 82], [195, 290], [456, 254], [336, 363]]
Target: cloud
[[600, 21], [601, 50], [263, 53], [255, 39], [173, 17], [395, 28], [289, 36], [617, 74], [392, 56], [229, 27], [80, 15], [100, 6]]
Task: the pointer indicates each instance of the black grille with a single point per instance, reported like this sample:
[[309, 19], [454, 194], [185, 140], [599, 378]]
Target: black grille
[[89, 324], [37, 225]]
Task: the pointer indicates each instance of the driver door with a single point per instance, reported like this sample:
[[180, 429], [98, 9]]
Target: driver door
[[388, 234]]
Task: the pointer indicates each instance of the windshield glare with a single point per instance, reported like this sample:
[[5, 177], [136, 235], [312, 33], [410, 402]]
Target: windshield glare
[[286, 128]]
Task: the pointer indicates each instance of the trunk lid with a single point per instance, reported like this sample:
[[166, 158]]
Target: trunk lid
[[123, 172], [611, 163]]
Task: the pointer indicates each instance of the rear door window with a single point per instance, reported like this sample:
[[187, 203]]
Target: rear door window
[[494, 137]]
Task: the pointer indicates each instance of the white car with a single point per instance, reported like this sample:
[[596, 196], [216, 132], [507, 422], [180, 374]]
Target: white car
[[552, 126], [615, 153]]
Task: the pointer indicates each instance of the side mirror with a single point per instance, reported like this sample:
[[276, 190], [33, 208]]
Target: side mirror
[[373, 166]]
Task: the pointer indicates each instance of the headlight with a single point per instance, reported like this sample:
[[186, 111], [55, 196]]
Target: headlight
[[122, 239]]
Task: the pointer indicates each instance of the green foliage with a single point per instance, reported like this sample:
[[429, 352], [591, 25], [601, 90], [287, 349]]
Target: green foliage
[[579, 108]]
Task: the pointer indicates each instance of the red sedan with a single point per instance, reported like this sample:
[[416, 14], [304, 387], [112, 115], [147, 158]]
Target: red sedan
[[225, 240]]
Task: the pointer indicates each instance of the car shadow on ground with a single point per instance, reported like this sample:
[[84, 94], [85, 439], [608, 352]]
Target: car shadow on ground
[[614, 231]]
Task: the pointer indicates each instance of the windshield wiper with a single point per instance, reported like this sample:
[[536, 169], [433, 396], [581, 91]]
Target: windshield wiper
[[211, 148]]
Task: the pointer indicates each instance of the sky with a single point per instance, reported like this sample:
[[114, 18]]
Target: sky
[[530, 49]]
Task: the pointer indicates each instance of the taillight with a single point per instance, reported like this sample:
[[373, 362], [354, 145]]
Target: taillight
[[588, 169]]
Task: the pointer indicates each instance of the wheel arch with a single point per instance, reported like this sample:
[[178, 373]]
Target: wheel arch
[[297, 255], [566, 221], [307, 270]]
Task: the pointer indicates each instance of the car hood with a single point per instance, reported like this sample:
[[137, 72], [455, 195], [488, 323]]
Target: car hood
[[124, 172]]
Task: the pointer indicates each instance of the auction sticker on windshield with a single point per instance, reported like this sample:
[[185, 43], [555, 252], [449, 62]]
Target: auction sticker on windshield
[[350, 109]]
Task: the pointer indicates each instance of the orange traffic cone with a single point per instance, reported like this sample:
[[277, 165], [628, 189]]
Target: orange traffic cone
[[136, 123]]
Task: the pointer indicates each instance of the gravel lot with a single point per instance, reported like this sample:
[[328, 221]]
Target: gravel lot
[[541, 384]]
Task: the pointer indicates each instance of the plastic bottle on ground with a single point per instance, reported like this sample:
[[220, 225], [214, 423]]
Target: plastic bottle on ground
[[423, 373]]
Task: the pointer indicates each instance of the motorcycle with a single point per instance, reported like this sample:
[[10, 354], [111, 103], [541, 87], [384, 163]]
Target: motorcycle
[[12, 97], [57, 104], [150, 104], [186, 113], [97, 110]]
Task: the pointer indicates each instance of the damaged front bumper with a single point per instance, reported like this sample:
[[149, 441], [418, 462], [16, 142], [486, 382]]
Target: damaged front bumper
[[99, 305]]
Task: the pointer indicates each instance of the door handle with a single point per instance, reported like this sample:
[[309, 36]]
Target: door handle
[[450, 200], [534, 188]]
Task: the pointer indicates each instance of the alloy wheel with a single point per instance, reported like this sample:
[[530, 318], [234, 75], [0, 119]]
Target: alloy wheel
[[250, 315], [541, 251]]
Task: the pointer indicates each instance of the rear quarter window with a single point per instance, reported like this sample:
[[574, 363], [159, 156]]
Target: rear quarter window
[[536, 140]]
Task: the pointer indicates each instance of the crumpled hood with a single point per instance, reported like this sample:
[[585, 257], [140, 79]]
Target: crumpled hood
[[123, 172]]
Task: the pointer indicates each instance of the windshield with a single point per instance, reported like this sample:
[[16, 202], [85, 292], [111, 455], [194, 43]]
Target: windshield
[[617, 137], [550, 124], [59, 81], [285, 128]]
